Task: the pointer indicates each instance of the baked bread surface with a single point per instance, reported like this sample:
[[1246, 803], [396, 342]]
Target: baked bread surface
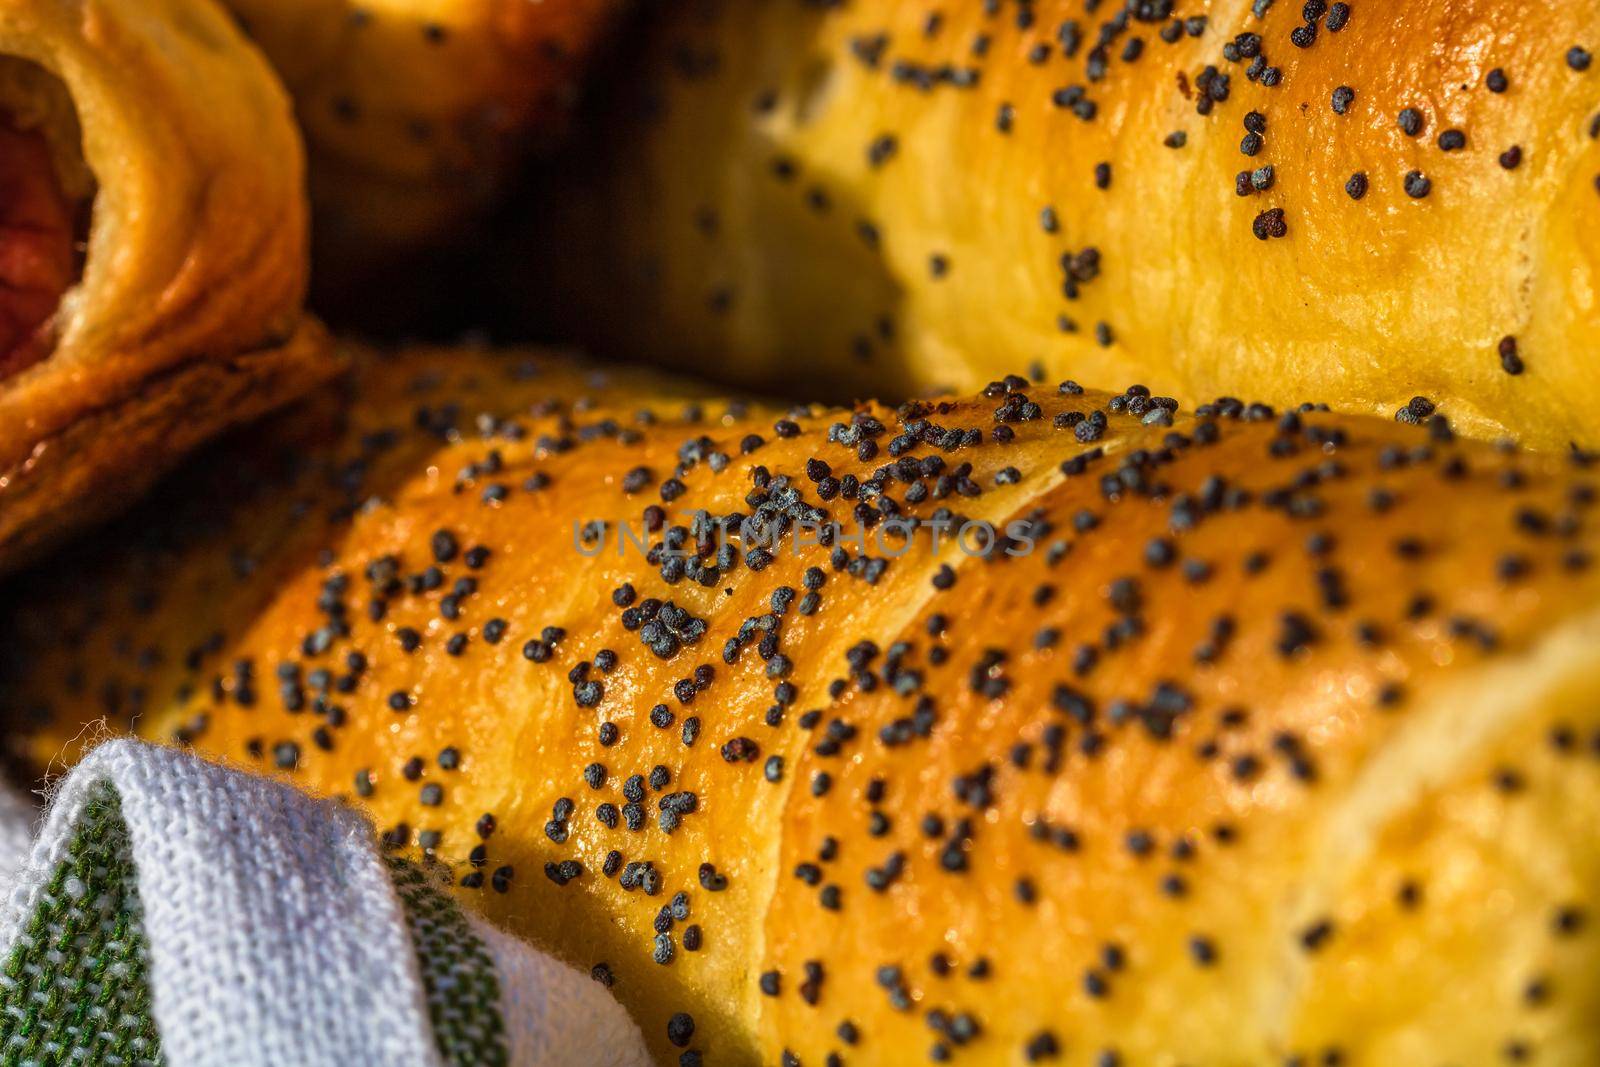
[[1256, 738], [901, 194]]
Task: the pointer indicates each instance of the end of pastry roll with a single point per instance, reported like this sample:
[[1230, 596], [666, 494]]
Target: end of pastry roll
[[153, 246], [1240, 736]]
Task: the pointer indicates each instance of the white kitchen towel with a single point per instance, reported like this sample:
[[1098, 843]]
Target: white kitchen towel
[[174, 911]]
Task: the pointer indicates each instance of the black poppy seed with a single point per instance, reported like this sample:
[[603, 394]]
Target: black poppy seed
[[444, 546], [1356, 186], [1510, 358], [1511, 158], [1567, 921], [1579, 58], [680, 1029], [563, 872], [1315, 936], [1417, 185], [611, 864], [1508, 780], [711, 880], [1268, 224], [1342, 98], [1495, 81], [1095, 984], [882, 149], [1452, 140], [1410, 120]]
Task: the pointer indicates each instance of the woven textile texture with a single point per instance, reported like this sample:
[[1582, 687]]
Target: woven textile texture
[[173, 911]]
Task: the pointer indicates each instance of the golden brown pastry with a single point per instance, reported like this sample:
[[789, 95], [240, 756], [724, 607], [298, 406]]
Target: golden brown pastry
[[1346, 202], [414, 109], [1252, 737], [152, 250]]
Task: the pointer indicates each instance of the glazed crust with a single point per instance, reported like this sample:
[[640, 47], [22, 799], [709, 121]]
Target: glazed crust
[[188, 312], [414, 110], [904, 194], [1259, 736]]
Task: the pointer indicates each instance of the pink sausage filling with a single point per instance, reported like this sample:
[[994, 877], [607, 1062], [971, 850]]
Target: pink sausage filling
[[37, 261]]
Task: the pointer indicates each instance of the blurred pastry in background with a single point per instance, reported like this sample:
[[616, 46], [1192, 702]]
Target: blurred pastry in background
[[153, 242], [415, 110], [1291, 201]]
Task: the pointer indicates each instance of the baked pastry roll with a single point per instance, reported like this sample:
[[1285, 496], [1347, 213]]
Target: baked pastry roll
[[1340, 202], [414, 110], [1213, 735], [152, 250]]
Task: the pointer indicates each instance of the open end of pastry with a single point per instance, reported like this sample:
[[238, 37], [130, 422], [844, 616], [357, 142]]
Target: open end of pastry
[[45, 194]]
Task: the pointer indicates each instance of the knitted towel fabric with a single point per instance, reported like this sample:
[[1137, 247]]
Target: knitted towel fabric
[[174, 911]]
